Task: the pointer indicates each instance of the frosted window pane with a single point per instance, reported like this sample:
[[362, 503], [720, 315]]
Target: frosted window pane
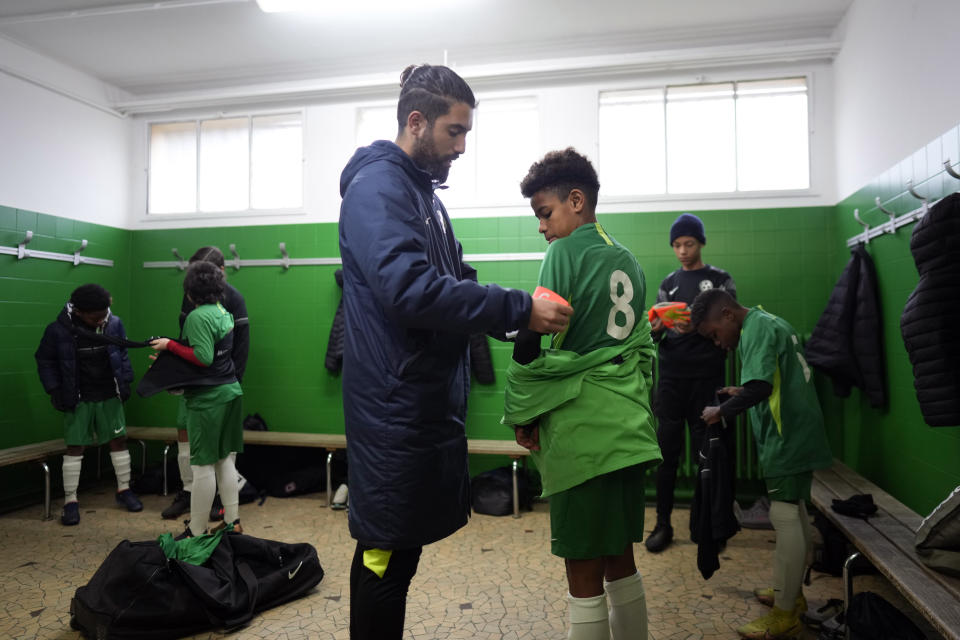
[[277, 162], [772, 135], [631, 143], [225, 164], [701, 148], [173, 168], [508, 141], [462, 180], [376, 123]]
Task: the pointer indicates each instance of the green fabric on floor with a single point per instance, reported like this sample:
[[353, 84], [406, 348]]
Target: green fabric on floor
[[195, 550]]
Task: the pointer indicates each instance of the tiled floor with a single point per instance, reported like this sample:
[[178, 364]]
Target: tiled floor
[[493, 579]]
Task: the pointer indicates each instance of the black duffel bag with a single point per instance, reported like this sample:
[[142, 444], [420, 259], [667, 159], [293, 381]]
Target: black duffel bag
[[492, 491], [138, 593]]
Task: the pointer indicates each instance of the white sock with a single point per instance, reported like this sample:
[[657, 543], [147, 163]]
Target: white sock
[[71, 477], [121, 466], [229, 483], [588, 618], [790, 554], [183, 461], [201, 498], [628, 608]]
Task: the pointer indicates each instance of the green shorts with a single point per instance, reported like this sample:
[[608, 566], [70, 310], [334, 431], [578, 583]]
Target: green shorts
[[94, 423], [182, 412], [215, 432], [599, 517], [790, 488]]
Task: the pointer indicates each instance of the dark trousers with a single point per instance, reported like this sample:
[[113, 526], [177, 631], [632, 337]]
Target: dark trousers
[[378, 605], [680, 401]]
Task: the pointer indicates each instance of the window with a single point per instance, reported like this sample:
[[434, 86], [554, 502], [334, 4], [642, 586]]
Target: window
[[709, 138], [504, 141], [226, 164]]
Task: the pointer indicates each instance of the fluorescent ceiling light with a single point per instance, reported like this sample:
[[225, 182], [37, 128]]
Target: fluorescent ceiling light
[[339, 6]]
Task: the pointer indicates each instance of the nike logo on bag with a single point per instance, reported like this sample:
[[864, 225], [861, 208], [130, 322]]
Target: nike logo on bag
[[294, 572]]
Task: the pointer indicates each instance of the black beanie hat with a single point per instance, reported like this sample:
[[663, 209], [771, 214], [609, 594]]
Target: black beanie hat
[[687, 225]]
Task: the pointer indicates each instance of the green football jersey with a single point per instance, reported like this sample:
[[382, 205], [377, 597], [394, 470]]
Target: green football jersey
[[603, 316], [788, 426], [204, 327]]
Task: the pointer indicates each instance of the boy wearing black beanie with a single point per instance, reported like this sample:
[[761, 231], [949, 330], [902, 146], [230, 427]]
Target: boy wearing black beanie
[[691, 367]]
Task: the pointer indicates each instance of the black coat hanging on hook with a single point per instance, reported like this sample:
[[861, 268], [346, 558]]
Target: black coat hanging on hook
[[929, 320], [847, 342]]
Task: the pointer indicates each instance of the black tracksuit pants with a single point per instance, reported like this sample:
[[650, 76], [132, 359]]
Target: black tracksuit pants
[[680, 401], [378, 605]]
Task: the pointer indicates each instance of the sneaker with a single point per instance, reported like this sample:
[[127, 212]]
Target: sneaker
[[234, 526], [70, 514], [660, 538], [758, 515], [129, 499], [340, 498], [776, 625], [818, 618], [765, 597], [180, 505], [216, 511]]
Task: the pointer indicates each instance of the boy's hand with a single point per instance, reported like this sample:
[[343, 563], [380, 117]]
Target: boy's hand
[[528, 436], [548, 317], [160, 344], [730, 391], [711, 415], [656, 325]]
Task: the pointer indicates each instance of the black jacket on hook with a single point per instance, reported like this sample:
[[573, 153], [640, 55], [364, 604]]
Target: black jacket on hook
[[929, 320], [334, 360], [847, 342]]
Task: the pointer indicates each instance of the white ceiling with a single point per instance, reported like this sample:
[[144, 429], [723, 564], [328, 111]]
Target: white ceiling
[[161, 46]]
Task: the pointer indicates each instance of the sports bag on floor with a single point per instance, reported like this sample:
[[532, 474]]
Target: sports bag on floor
[[139, 593]]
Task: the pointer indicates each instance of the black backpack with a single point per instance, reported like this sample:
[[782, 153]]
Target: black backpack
[[492, 491], [870, 617], [138, 593]]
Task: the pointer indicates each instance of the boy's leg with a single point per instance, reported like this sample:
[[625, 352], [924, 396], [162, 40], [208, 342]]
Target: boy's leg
[[231, 441], [72, 464], [204, 488], [789, 555], [670, 436], [379, 581], [77, 433], [204, 428], [628, 605], [229, 486]]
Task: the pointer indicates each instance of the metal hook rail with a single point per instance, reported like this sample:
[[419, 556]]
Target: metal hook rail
[[22, 252]]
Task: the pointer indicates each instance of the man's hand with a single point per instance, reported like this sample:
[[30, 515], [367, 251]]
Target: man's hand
[[656, 325], [730, 391], [711, 415], [160, 344], [548, 317], [528, 436], [682, 327]]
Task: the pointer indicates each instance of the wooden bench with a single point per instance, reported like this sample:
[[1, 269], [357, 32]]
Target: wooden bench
[[36, 452], [330, 442], [887, 541]]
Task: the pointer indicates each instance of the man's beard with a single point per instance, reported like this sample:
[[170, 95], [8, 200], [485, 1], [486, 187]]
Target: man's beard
[[425, 156]]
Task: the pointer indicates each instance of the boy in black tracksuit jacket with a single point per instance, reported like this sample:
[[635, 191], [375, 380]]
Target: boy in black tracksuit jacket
[[690, 370]]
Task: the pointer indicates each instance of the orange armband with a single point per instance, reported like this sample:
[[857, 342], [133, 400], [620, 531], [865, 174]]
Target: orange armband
[[546, 294]]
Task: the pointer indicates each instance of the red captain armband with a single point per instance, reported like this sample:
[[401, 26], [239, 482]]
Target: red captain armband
[[546, 294], [670, 313], [184, 352]]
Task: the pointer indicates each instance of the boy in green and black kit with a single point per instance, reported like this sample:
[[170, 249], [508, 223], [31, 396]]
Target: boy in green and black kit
[[787, 423], [213, 401], [583, 407]]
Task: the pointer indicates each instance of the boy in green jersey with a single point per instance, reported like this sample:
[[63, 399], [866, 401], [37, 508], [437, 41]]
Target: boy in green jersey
[[777, 390], [214, 412], [582, 406]]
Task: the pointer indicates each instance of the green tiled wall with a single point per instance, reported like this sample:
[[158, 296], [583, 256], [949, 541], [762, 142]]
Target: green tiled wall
[[893, 446]]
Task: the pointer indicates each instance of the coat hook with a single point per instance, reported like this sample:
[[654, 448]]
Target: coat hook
[[286, 258], [913, 191], [890, 214], [181, 264], [953, 173], [866, 226], [236, 257], [21, 248], [76, 254]]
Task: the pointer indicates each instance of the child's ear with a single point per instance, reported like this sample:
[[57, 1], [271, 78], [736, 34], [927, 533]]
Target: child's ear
[[577, 200]]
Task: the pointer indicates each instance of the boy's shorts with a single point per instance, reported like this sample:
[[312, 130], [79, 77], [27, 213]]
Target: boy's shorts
[[599, 517], [182, 412], [94, 423], [790, 488], [215, 432]]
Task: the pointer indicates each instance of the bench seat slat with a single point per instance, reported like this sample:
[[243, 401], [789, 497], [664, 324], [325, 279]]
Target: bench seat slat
[[881, 498], [31, 452]]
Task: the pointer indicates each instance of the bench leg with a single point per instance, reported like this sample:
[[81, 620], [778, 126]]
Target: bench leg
[[143, 457], [848, 567], [516, 491], [46, 490], [166, 450], [327, 465]]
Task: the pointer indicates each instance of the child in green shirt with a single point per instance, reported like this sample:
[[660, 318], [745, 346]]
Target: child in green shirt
[[582, 406], [777, 391], [214, 411]]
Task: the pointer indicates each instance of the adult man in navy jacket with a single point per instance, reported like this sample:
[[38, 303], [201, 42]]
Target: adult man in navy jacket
[[410, 305]]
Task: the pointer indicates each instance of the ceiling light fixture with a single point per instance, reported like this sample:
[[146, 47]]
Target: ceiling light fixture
[[326, 6]]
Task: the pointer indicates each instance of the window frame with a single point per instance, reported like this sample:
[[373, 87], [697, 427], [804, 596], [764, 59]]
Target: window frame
[[197, 120]]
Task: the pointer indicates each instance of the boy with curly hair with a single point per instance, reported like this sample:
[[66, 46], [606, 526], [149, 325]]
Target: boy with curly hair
[[214, 413], [582, 406]]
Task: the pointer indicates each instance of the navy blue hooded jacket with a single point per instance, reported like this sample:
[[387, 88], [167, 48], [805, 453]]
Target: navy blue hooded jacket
[[410, 305], [57, 360]]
